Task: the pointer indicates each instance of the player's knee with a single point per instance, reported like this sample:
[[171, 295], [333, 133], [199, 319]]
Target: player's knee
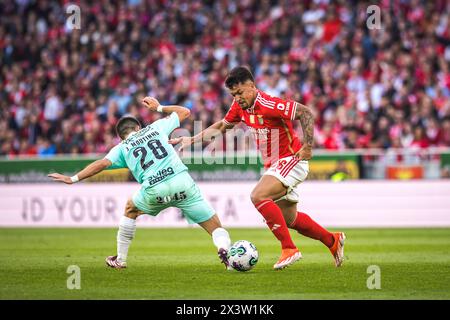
[[256, 197], [215, 222], [131, 211], [289, 221]]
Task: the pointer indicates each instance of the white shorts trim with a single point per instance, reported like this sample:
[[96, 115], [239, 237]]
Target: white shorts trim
[[291, 172]]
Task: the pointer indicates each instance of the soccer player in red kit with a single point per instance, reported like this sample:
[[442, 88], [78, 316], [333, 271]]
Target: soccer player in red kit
[[285, 158]]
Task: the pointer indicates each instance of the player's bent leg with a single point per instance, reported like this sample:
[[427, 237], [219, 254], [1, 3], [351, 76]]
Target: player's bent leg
[[220, 237], [125, 234], [268, 189], [197, 210], [292, 176], [305, 225]]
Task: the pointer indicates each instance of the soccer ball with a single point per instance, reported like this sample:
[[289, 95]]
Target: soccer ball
[[243, 255]]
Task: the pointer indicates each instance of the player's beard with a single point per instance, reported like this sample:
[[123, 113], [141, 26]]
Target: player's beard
[[244, 106]]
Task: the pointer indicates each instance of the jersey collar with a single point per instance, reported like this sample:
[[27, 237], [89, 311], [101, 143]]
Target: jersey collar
[[251, 109]]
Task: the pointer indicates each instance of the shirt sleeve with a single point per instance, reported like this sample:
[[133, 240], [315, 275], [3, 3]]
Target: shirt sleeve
[[285, 109], [234, 114], [115, 155], [167, 124]]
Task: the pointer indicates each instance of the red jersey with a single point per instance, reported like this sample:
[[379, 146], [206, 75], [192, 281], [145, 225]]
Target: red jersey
[[270, 120]]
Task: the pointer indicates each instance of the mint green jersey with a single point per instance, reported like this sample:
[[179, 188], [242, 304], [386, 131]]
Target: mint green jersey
[[147, 153]]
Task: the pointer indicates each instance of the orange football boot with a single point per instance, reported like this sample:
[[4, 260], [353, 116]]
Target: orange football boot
[[337, 249], [288, 257]]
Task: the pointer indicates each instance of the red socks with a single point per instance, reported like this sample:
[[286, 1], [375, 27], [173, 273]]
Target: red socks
[[276, 223], [309, 228], [303, 224]]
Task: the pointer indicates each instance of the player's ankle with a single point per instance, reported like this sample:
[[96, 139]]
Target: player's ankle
[[333, 243]]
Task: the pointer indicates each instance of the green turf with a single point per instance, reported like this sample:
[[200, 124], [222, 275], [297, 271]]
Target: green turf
[[182, 264]]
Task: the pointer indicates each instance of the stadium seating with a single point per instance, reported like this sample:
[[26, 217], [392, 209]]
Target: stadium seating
[[62, 89]]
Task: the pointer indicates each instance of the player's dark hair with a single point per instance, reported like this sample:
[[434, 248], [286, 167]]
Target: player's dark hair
[[125, 125], [238, 75]]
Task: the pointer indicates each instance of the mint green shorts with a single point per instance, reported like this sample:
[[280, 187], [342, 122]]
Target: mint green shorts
[[180, 192]]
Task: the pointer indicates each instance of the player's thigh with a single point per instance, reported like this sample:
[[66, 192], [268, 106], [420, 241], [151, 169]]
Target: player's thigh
[[290, 172], [193, 205], [268, 187], [131, 211], [147, 201]]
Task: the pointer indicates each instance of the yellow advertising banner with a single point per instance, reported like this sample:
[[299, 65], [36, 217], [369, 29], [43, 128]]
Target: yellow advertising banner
[[336, 170]]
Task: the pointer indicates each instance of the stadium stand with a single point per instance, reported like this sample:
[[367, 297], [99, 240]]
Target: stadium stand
[[62, 89]]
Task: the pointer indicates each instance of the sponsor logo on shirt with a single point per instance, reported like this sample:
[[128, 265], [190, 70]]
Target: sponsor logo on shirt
[[160, 175], [261, 133], [288, 106]]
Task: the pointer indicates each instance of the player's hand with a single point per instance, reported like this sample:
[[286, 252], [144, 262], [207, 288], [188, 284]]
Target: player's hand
[[60, 178], [185, 141], [305, 153], [150, 103]]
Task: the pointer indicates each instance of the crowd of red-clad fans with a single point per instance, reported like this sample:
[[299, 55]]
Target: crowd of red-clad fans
[[63, 89]]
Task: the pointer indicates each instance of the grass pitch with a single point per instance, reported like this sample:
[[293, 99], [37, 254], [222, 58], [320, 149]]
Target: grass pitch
[[182, 264]]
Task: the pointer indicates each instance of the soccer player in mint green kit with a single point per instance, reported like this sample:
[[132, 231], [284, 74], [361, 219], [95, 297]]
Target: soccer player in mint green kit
[[165, 181]]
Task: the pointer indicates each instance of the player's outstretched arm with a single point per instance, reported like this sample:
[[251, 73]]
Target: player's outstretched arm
[[92, 169], [212, 131], [153, 104], [306, 117]]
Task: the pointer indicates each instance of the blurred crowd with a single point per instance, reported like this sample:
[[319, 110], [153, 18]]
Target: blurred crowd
[[63, 89]]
